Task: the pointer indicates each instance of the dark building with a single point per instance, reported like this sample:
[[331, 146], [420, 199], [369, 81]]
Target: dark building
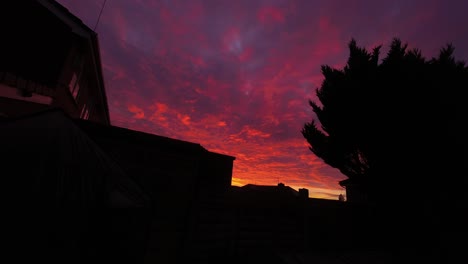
[[72, 202], [277, 224], [49, 58], [175, 174], [147, 185], [246, 222], [354, 191], [129, 194]]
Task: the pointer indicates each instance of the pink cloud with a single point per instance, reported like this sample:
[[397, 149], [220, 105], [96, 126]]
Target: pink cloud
[[184, 119], [235, 76], [139, 114], [270, 14], [221, 123]]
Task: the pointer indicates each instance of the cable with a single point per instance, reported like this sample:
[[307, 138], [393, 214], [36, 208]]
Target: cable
[[100, 13]]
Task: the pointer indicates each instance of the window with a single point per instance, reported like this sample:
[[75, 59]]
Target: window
[[74, 85], [84, 112]]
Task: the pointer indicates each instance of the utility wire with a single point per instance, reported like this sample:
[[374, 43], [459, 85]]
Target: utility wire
[[100, 13]]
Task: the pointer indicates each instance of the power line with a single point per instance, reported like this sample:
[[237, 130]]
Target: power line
[[100, 13]]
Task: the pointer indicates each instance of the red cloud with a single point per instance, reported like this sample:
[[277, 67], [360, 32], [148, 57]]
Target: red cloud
[[235, 76], [270, 14], [221, 123], [246, 55], [184, 119], [139, 114]]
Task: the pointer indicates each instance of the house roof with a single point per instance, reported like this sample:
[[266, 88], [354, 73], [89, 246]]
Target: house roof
[[55, 158], [345, 182], [352, 181], [97, 130], [348, 182], [66, 16], [270, 189]]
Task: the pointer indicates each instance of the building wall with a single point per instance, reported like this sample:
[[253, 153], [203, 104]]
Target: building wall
[[236, 226], [169, 178], [80, 90], [229, 227], [176, 175], [14, 108], [59, 59], [215, 172], [35, 38], [355, 194]]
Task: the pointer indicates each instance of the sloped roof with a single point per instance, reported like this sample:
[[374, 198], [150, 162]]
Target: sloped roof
[[345, 182], [98, 130], [270, 188], [68, 17], [113, 132], [49, 157], [349, 181]]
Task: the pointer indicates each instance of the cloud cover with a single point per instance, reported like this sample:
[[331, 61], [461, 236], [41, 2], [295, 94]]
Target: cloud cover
[[235, 76]]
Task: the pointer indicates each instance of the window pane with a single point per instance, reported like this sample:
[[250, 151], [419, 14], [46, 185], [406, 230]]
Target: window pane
[[83, 111], [72, 83], [76, 90]]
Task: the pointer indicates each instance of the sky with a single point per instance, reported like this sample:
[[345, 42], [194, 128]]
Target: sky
[[236, 76]]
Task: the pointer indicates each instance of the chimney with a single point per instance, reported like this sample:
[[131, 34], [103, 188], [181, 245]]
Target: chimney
[[303, 193]]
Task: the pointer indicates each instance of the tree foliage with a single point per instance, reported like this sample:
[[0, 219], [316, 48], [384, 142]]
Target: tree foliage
[[400, 118]]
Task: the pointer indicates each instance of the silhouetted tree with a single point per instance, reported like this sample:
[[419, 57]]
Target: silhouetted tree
[[396, 127], [381, 122]]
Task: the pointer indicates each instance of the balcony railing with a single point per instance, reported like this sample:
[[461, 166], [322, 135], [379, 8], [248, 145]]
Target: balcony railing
[[26, 87]]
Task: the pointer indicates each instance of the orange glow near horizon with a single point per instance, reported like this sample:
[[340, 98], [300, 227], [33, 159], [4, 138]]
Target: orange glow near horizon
[[235, 76]]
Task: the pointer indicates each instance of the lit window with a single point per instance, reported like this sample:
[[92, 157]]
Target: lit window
[[84, 112], [76, 90], [74, 85]]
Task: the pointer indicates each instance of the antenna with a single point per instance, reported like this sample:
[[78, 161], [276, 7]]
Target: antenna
[[100, 13]]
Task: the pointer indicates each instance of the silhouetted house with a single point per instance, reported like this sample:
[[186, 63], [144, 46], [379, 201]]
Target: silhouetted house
[[244, 222], [176, 174], [49, 58], [153, 182], [259, 223], [279, 191], [270, 219], [354, 191], [72, 158], [78, 204]]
